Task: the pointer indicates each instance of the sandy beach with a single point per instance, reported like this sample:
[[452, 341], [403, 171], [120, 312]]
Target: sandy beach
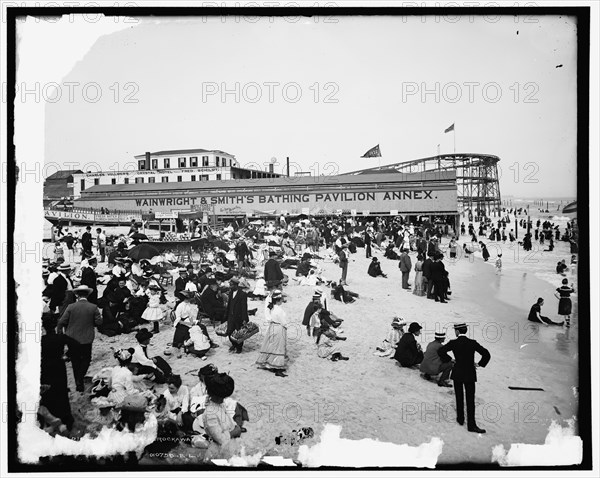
[[373, 397]]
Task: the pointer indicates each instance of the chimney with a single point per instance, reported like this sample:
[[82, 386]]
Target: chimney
[[288, 165], [147, 160], [271, 168]]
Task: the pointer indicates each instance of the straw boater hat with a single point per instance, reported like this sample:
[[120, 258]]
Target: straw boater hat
[[64, 267], [440, 335], [181, 270], [459, 325], [82, 289], [277, 294]]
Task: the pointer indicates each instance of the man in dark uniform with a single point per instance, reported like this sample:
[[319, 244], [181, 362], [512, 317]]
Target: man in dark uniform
[[86, 241], [273, 273], [438, 277], [180, 283], [237, 312], [464, 374], [211, 302], [427, 275]]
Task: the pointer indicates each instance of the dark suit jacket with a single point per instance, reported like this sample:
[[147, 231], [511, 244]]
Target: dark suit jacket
[[427, 268], [88, 277], [79, 320], [86, 239], [237, 311], [438, 271], [464, 350], [308, 312], [273, 271], [210, 302]]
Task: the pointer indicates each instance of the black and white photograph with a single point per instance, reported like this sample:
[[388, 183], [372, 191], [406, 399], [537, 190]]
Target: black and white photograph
[[299, 237]]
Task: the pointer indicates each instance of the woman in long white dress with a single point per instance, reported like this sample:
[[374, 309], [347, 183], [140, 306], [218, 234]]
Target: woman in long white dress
[[273, 353]]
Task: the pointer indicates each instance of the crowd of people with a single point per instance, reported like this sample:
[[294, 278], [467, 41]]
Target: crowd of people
[[143, 297]]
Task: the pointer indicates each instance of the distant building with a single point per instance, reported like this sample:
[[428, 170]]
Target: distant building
[[173, 166], [58, 187]]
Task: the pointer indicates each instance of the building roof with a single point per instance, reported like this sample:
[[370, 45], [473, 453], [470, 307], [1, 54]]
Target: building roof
[[184, 151], [57, 191], [63, 174], [287, 183]]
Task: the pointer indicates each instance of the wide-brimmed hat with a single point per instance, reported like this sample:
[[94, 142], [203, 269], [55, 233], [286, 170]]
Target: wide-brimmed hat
[[414, 327], [188, 294], [64, 267], [134, 403], [143, 334], [398, 321], [82, 289], [220, 385]]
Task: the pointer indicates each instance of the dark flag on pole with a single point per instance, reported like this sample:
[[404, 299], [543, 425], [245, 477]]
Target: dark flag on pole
[[372, 153], [449, 128]]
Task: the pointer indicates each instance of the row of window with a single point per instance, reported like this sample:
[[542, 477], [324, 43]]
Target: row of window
[[164, 179], [182, 162]]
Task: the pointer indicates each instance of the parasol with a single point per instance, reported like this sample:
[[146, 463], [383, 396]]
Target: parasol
[[138, 235], [143, 251]]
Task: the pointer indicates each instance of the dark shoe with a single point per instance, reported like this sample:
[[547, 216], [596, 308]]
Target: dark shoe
[[280, 373], [476, 429], [442, 302], [243, 430], [426, 376], [344, 358], [232, 348], [214, 346], [238, 351], [460, 422], [341, 338], [444, 384]]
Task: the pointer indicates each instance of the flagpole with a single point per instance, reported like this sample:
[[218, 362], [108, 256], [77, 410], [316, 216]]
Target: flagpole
[[454, 131]]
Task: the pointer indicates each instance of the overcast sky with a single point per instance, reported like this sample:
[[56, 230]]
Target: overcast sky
[[324, 90]]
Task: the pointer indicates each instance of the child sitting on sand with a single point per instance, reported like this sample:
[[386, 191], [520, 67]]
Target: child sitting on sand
[[327, 349], [388, 346], [198, 344]]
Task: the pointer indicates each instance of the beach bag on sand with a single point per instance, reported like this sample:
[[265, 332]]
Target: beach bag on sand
[[221, 330], [248, 330]]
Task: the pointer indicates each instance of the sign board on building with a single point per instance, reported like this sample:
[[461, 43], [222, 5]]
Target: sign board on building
[[412, 197], [165, 215]]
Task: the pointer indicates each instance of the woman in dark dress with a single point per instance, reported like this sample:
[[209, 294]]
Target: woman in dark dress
[[54, 371], [563, 293], [484, 252]]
